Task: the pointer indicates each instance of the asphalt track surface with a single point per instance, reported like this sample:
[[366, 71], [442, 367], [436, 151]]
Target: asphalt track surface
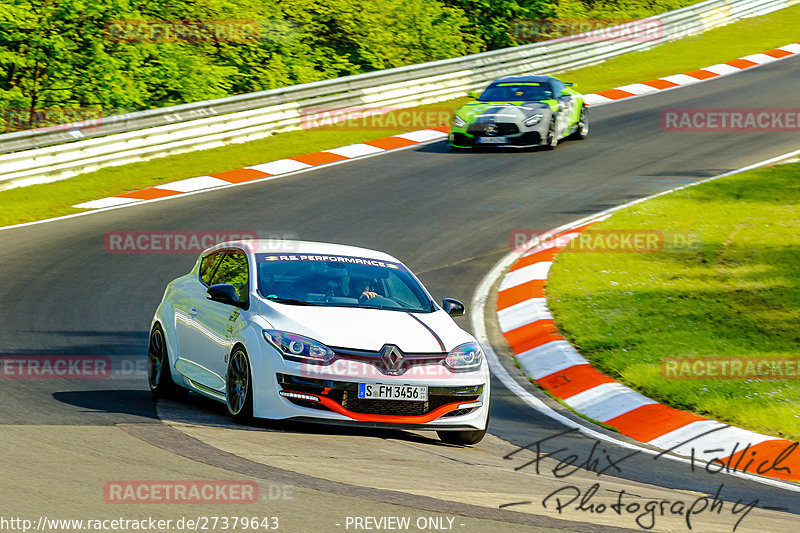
[[446, 215]]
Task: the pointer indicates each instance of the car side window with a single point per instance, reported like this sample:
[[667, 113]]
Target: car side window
[[208, 265], [233, 271]]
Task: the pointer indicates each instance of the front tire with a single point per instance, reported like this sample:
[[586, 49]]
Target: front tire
[[462, 438], [466, 437], [551, 141], [239, 386], [159, 376]]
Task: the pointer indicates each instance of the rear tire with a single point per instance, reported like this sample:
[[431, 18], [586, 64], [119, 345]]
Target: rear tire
[[159, 376], [239, 386], [583, 124]]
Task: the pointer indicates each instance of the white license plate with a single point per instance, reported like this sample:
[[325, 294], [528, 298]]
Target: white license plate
[[381, 391], [492, 140]]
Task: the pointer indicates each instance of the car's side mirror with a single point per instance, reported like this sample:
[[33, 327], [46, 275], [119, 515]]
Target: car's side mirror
[[224, 293], [453, 307], [472, 94], [569, 84]]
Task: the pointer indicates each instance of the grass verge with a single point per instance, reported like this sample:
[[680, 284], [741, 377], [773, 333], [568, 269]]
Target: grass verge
[[748, 36], [719, 45], [735, 296], [36, 202]]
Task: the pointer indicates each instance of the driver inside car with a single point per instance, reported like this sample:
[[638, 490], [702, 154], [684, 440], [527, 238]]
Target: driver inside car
[[363, 289]]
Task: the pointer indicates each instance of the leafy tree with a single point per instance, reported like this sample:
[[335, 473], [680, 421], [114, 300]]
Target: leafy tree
[[492, 20], [57, 54]]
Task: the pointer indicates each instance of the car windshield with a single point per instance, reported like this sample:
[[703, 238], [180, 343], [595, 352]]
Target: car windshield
[[340, 281], [528, 91]]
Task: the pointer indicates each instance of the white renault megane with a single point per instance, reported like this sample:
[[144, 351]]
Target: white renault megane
[[319, 332]]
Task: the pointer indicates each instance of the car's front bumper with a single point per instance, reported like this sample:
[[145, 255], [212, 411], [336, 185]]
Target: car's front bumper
[[342, 397], [519, 140], [456, 400]]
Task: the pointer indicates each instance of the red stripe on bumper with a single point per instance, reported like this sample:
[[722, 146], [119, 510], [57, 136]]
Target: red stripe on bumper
[[393, 419]]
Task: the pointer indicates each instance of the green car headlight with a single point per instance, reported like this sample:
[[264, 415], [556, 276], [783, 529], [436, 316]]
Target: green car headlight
[[534, 120], [458, 122]]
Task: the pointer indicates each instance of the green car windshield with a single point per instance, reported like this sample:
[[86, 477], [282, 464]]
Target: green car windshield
[[504, 92]]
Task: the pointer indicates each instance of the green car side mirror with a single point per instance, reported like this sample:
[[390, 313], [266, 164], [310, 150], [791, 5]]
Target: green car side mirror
[[472, 94]]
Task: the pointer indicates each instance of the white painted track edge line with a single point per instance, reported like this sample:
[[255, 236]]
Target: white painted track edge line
[[477, 320], [610, 101], [681, 86], [221, 187], [479, 330]]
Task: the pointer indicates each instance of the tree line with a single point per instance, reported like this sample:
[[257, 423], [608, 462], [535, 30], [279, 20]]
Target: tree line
[[63, 60]]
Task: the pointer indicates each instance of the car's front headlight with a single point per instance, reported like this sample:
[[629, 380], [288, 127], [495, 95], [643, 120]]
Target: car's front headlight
[[467, 356], [298, 348], [534, 120], [458, 122]]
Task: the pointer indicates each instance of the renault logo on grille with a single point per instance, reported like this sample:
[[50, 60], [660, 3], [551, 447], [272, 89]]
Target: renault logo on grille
[[392, 357], [492, 129]]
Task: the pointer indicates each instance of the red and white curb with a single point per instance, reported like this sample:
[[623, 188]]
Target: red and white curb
[[404, 140], [690, 78], [273, 168], [553, 364]]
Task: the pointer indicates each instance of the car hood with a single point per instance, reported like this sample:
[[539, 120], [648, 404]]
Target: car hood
[[502, 111], [367, 329]]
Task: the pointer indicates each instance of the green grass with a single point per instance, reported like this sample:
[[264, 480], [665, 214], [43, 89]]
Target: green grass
[[742, 38], [735, 295], [54, 199]]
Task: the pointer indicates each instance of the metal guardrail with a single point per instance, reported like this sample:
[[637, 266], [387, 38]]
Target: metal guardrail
[[36, 156]]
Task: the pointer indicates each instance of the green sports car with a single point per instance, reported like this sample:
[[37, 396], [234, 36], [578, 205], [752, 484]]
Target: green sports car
[[521, 111]]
